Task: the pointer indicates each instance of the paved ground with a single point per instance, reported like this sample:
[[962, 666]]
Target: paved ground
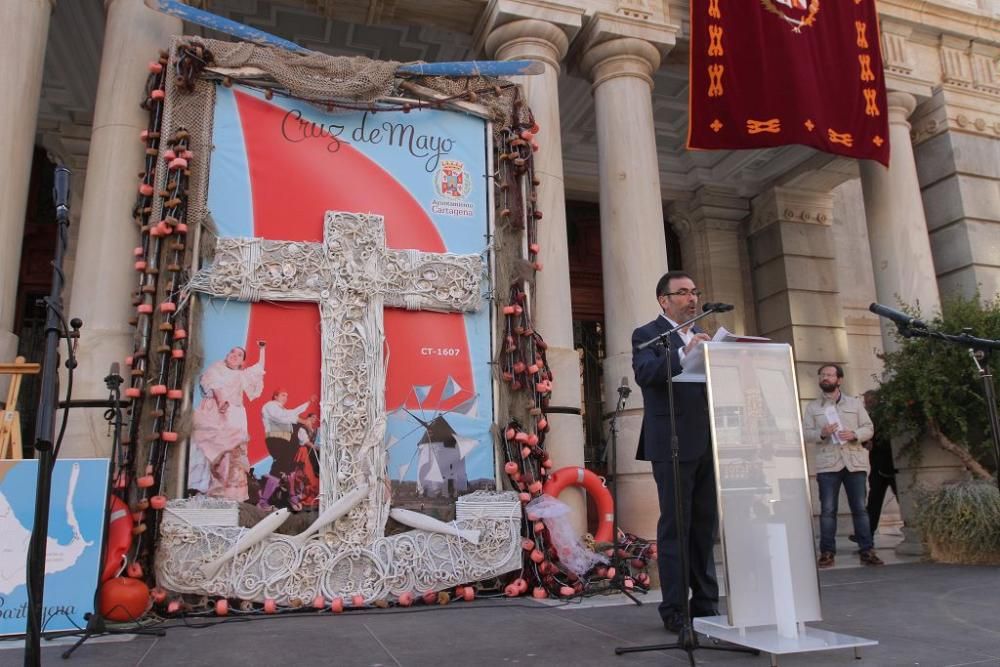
[[920, 613]]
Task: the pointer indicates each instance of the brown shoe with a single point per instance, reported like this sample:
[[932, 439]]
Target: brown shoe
[[869, 558], [825, 559]]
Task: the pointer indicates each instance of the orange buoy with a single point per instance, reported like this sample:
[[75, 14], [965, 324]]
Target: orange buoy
[[124, 599], [119, 538], [594, 485]]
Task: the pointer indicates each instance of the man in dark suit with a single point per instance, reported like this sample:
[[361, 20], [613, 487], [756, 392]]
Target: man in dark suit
[[678, 297]]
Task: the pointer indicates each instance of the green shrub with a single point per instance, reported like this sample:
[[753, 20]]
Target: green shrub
[[961, 522], [931, 387]]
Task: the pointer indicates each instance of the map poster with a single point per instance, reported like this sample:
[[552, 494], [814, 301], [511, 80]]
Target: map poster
[[277, 166], [73, 552]]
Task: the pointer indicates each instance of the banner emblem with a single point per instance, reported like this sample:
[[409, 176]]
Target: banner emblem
[[799, 13], [452, 180]]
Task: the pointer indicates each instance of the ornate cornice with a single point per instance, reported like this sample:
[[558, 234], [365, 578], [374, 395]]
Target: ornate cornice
[[946, 17]]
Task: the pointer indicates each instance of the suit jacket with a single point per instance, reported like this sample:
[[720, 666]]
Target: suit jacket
[[690, 399]]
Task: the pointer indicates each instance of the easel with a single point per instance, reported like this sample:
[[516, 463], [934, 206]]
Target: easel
[[10, 420]]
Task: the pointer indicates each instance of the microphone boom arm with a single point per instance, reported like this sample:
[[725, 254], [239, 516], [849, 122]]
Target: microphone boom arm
[[661, 339]]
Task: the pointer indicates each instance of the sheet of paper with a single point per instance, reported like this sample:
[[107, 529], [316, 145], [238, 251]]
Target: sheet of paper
[[722, 335], [833, 418]]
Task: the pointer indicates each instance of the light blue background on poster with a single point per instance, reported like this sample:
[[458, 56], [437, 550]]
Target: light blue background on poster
[[71, 589], [230, 203]]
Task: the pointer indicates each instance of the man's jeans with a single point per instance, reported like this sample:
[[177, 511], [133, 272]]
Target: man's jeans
[[829, 494]]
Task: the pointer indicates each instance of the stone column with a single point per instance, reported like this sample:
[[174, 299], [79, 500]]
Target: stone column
[[103, 277], [709, 230], [897, 228], [546, 42], [633, 246], [22, 57], [793, 258], [904, 271], [793, 255], [955, 147]]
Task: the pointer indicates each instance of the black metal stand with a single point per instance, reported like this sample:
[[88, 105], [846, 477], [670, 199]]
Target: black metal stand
[[687, 640], [618, 581], [55, 328], [96, 625], [981, 359]]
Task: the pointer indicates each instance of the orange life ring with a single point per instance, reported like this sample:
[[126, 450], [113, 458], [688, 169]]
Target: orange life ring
[[119, 538], [574, 476]]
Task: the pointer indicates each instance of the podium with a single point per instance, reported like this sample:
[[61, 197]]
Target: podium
[[765, 511]]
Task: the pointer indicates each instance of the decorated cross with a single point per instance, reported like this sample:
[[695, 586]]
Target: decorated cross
[[351, 275]]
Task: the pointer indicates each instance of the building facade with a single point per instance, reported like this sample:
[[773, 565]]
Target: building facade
[[800, 241]]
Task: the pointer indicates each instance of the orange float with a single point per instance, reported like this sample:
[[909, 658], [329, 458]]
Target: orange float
[[119, 538], [594, 485], [124, 599]]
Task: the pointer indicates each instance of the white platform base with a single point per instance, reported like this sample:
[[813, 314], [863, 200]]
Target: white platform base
[[766, 638]]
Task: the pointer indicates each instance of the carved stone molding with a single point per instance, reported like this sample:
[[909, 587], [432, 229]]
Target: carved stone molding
[[956, 68], [539, 40], [956, 110], [635, 9], [613, 45], [896, 56], [984, 68], [708, 210], [532, 16], [625, 56], [788, 205], [680, 219]]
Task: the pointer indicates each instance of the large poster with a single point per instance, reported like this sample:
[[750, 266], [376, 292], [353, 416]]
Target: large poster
[[73, 549], [277, 167]]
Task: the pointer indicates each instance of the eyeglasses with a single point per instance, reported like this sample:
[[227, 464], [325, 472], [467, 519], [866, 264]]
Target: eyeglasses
[[685, 292]]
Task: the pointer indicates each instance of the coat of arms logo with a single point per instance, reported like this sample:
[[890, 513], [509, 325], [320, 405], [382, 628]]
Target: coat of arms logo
[[452, 180], [798, 13]]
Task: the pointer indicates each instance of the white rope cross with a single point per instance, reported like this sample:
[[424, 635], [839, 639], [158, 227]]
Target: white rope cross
[[351, 275]]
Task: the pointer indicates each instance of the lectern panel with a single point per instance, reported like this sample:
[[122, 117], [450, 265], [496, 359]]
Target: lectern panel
[[764, 506]]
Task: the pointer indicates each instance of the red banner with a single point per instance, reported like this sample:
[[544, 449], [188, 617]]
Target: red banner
[[774, 72]]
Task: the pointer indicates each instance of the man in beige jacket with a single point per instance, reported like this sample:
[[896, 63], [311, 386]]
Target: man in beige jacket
[[836, 424]]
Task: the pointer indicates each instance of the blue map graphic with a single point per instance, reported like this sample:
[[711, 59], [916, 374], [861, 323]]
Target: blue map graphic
[[73, 551]]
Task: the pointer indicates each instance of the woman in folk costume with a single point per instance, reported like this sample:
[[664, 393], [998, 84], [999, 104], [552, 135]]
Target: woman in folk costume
[[220, 422]]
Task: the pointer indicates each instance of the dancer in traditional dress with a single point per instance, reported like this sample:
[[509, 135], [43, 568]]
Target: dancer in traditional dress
[[220, 422]]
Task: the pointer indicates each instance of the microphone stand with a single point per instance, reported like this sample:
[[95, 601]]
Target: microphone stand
[[96, 625], [617, 581], [687, 640], [55, 328], [979, 350]]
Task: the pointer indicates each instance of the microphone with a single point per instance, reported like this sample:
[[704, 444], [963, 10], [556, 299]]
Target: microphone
[[900, 318], [717, 307], [623, 389], [60, 191]]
